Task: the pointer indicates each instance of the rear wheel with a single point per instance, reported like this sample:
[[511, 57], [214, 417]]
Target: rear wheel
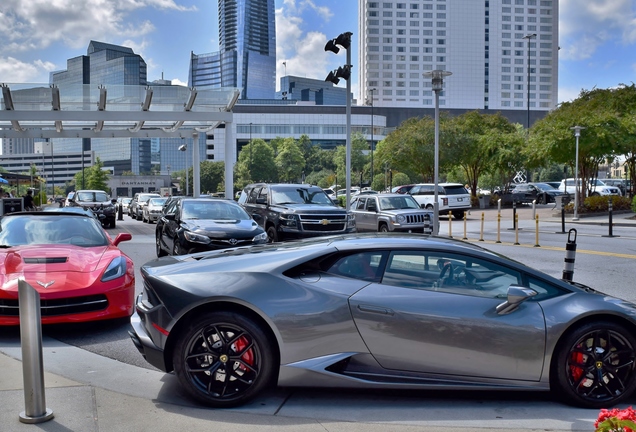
[[458, 214], [224, 359], [595, 365]]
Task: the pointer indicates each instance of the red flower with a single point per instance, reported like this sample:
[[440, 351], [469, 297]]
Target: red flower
[[616, 420]]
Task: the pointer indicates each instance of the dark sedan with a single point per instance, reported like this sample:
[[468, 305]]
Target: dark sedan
[[189, 225], [541, 193], [401, 311]]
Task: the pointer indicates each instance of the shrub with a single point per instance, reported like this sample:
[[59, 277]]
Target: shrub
[[634, 204], [600, 204]]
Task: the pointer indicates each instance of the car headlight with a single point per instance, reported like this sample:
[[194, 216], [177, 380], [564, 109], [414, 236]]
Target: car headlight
[[401, 218], [196, 238], [289, 220], [351, 220], [261, 238], [116, 268]]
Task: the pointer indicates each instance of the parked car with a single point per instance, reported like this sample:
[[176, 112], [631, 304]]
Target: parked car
[[380, 311], [292, 211], [619, 183], [69, 197], [152, 211], [135, 209], [98, 202], [553, 184], [189, 225], [77, 269], [402, 189], [390, 212], [125, 203], [452, 197], [595, 187], [541, 193]]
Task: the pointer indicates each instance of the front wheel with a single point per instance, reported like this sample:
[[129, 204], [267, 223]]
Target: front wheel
[[595, 365], [158, 248], [272, 234], [384, 228], [224, 359]]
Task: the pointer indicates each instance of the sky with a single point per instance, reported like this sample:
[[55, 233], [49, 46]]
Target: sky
[[597, 37]]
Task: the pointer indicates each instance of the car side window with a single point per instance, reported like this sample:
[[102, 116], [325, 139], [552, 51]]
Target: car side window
[[364, 266], [252, 196], [436, 271], [361, 203], [262, 195]]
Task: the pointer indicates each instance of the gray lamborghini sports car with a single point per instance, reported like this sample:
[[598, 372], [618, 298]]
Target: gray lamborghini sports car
[[380, 311]]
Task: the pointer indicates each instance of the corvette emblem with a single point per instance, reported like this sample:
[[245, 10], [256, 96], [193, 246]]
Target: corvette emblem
[[45, 285], [324, 222]]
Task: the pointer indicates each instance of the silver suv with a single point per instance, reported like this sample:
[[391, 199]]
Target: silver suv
[[595, 187], [452, 197], [136, 206], [387, 212]]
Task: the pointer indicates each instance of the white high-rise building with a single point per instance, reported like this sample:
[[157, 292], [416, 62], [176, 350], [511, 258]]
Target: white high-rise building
[[495, 49]]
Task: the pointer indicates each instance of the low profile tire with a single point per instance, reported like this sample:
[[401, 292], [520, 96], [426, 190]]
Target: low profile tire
[[224, 359], [383, 228], [158, 249], [272, 234], [595, 365]]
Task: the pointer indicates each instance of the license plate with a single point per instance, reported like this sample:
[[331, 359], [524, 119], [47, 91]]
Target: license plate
[[460, 199]]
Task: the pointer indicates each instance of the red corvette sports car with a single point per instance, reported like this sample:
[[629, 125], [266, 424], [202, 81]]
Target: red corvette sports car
[[71, 261]]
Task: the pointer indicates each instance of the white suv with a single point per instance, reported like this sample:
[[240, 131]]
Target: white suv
[[596, 187], [452, 197]]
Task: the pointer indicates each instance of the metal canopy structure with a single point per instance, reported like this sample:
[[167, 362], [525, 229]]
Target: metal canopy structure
[[119, 111]]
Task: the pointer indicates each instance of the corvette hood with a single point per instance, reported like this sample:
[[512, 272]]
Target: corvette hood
[[54, 268]]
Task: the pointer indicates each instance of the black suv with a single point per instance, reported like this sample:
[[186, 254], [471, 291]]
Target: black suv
[[292, 211], [99, 202]]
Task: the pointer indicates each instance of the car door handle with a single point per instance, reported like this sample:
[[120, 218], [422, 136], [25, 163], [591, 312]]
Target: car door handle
[[375, 309]]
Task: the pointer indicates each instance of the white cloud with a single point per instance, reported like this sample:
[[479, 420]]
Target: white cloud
[[13, 70], [579, 21], [177, 81]]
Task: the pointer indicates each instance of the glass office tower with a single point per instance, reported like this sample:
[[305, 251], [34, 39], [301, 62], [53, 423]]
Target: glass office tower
[[106, 64], [247, 51]]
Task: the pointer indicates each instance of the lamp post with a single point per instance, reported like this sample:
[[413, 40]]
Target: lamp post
[[372, 90], [577, 133], [344, 40], [437, 77], [250, 169], [184, 148], [529, 37]]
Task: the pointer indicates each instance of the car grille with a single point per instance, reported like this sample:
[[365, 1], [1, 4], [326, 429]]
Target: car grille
[[230, 242], [54, 307], [323, 222], [417, 218]]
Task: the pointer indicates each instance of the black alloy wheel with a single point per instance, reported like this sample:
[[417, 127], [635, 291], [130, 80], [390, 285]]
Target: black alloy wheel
[[159, 250], [595, 367], [223, 359]]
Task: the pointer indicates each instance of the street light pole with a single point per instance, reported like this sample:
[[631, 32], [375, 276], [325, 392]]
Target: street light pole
[[372, 90], [529, 37], [438, 84], [250, 144], [184, 148], [577, 133]]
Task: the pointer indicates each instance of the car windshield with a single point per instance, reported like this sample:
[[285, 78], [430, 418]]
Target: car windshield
[[16, 230], [92, 197], [543, 186], [157, 201], [212, 209], [300, 195], [397, 203]]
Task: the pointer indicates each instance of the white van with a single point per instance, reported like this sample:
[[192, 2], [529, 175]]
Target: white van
[[452, 197]]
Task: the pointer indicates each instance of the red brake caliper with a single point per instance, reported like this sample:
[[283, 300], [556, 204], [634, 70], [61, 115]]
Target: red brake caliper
[[248, 356], [577, 371]]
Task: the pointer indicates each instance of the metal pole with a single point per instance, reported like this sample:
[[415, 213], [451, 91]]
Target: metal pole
[[436, 170], [348, 113], [32, 365], [372, 93], [577, 134]]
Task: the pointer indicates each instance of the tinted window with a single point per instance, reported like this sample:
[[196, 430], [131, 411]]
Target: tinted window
[[75, 230], [299, 195], [455, 190], [364, 266]]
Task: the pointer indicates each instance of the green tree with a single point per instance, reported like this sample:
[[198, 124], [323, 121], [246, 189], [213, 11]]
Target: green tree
[[289, 161], [358, 158], [256, 162], [94, 177], [212, 176]]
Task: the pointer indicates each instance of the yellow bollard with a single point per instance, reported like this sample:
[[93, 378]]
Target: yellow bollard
[[481, 232], [516, 229], [450, 225], [536, 240], [498, 227], [465, 217]]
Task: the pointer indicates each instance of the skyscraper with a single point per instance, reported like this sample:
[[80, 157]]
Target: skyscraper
[[503, 54], [247, 51], [107, 64]]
